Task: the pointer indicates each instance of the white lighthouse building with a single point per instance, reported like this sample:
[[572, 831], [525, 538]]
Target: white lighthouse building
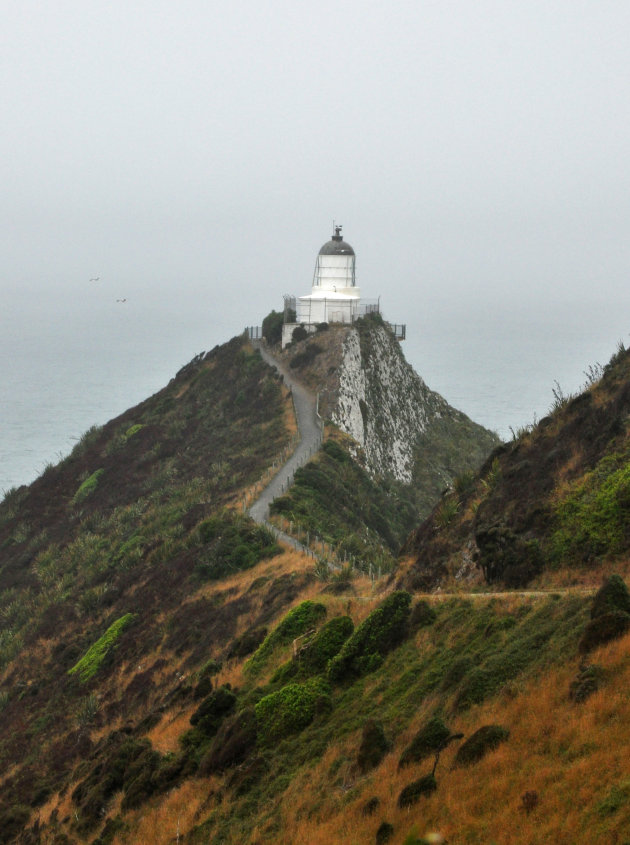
[[334, 296]]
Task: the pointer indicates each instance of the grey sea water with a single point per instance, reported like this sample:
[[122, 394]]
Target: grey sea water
[[67, 365]]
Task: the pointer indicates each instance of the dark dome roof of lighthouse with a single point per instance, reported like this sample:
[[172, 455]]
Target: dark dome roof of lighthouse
[[337, 246]]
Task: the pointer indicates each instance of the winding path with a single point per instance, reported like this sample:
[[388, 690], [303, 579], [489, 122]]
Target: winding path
[[311, 432]]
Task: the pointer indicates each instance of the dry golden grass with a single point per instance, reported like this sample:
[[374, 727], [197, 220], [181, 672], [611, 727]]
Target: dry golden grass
[[61, 803], [161, 822], [165, 735], [569, 754]]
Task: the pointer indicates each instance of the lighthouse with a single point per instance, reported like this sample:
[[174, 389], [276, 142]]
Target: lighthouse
[[334, 297]]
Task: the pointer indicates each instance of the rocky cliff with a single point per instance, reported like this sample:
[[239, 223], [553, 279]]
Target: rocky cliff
[[401, 428]]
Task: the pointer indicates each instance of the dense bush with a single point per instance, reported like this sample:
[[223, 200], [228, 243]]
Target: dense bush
[[336, 498], [12, 820], [299, 333], [313, 657], [126, 764], [234, 742], [213, 710], [383, 630], [290, 709], [430, 739], [297, 621], [506, 556], [610, 614], [414, 791], [457, 671], [480, 743], [384, 833], [593, 517], [374, 746], [603, 629], [247, 643], [232, 543], [612, 595], [272, 327]]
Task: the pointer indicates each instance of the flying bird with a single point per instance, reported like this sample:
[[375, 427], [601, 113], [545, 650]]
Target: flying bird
[[121, 300], [96, 279]]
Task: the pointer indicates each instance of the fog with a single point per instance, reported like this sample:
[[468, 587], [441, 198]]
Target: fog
[[193, 157]]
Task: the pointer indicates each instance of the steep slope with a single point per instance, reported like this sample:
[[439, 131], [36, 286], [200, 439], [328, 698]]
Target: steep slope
[[170, 674], [552, 504], [403, 430], [107, 548]]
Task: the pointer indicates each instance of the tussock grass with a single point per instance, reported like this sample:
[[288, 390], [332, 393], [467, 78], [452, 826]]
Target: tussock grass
[[571, 755], [160, 823]]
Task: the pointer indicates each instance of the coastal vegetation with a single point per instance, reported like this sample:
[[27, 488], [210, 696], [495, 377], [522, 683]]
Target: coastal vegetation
[[170, 672]]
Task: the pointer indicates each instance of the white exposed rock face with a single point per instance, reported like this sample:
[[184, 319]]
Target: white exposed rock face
[[383, 403]]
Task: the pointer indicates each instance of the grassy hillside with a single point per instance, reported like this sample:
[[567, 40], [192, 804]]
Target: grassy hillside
[[170, 674], [359, 518], [550, 507]]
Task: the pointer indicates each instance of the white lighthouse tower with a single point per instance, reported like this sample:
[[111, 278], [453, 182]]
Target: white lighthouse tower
[[334, 296]]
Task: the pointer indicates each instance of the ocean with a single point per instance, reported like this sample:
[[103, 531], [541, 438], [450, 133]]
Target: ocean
[[69, 364]]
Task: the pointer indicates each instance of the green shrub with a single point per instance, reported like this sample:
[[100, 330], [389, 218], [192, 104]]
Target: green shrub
[[213, 710], [299, 333], [247, 643], [91, 661], [593, 517], [429, 740], [89, 485], [603, 629], [232, 543], [384, 833], [612, 595], [313, 657], [506, 556], [480, 743], [297, 621], [383, 630], [290, 709], [125, 764], [233, 743], [272, 327], [113, 827], [412, 793], [374, 746], [478, 684]]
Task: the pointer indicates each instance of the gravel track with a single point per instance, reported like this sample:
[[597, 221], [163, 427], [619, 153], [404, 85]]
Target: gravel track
[[311, 432]]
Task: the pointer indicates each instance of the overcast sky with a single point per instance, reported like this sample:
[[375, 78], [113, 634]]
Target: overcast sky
[[471, 149]]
